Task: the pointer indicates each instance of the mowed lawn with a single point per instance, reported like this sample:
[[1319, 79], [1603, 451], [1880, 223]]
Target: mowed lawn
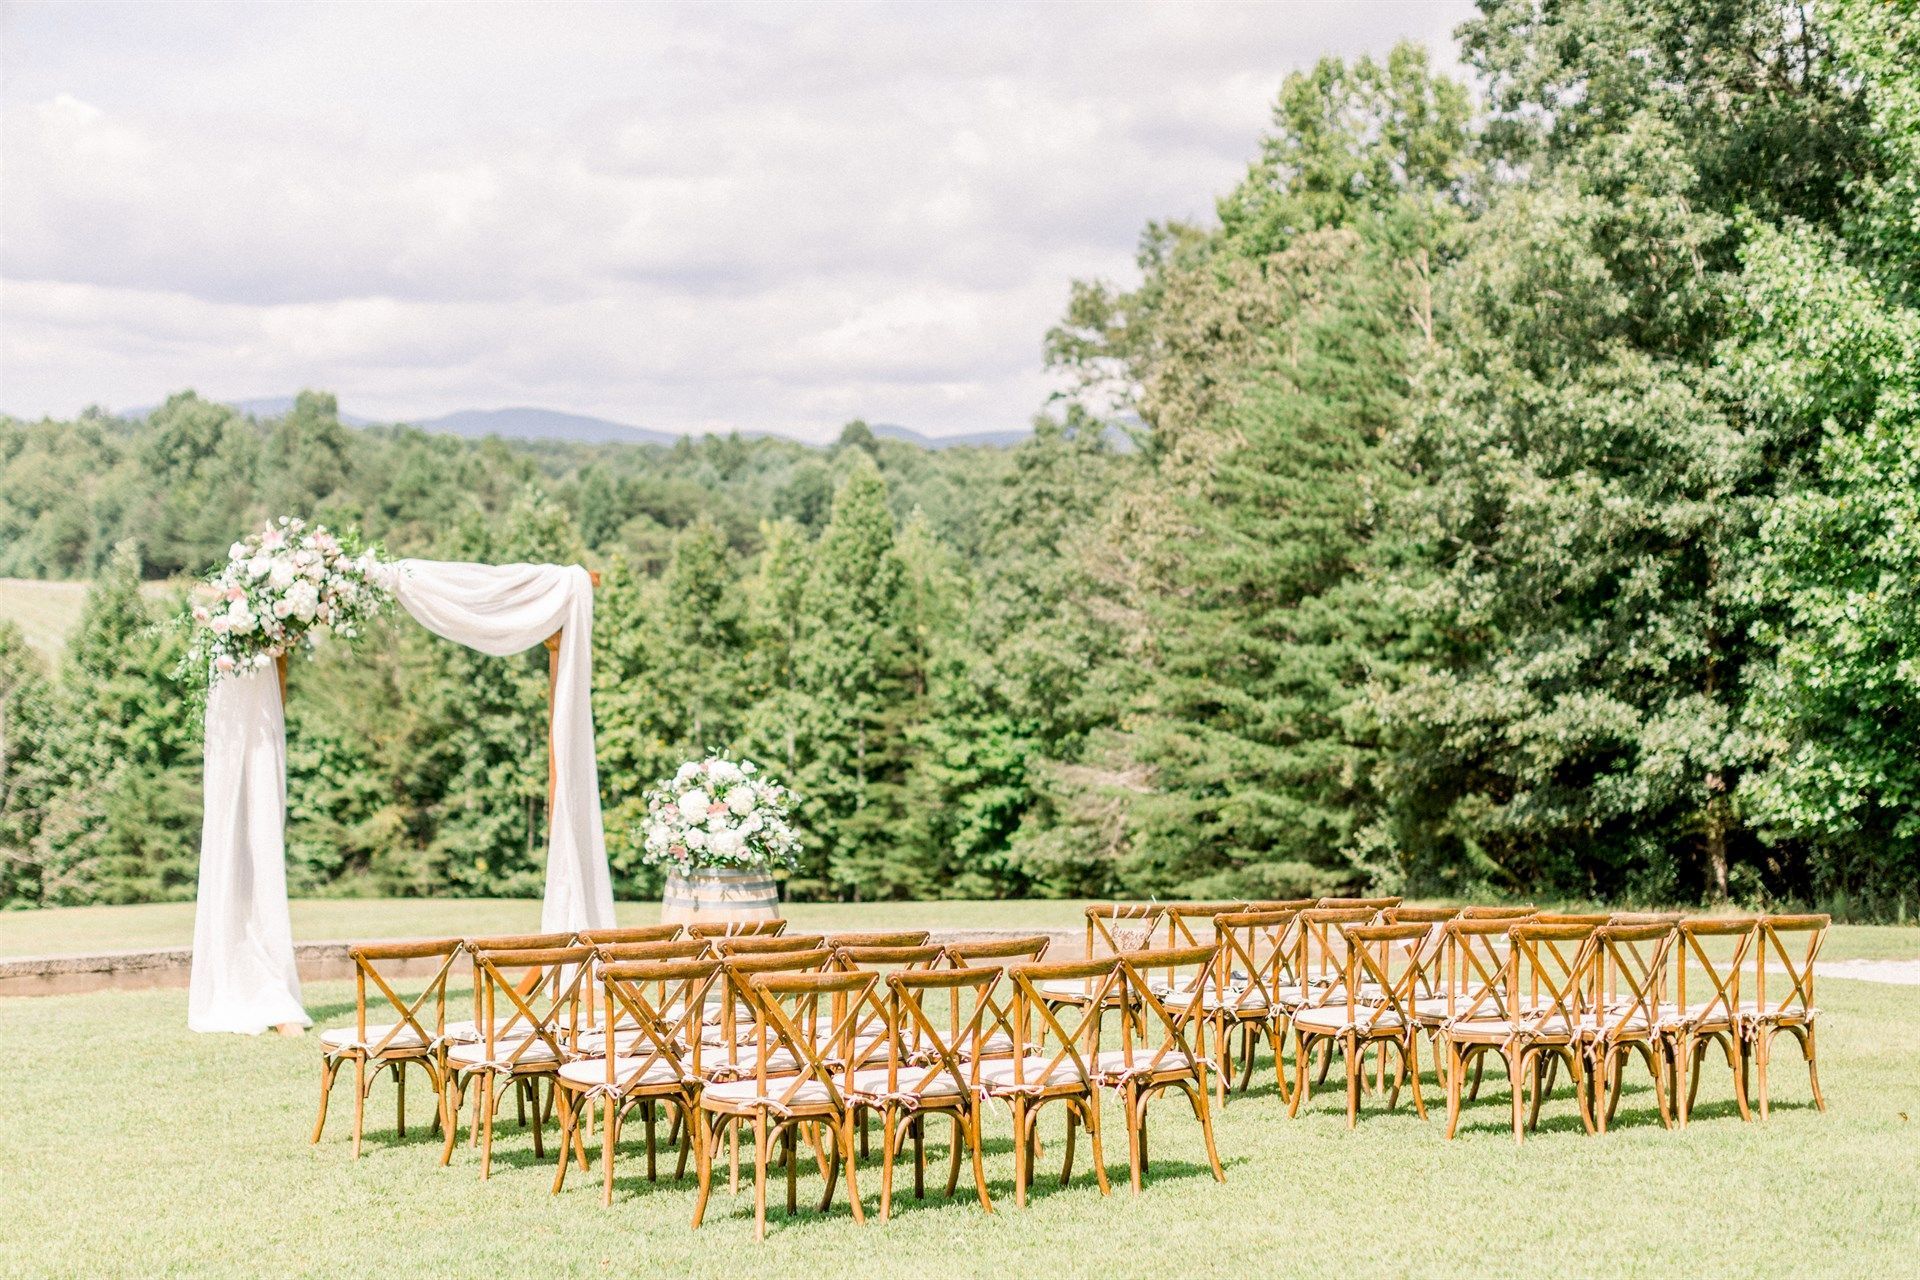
[[136, 1148]]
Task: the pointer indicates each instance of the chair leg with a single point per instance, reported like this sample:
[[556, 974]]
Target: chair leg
[[652, 1118], [953, 1160], [1066, 1163], [1277, 1038], [609, 1139], [971, 1124], [1093, 1142], [1763, 1053], [452, 1094], [919, 1157], [1198, 1097], [700, 1137], [1020, 1150], [1300, 1087], [1136, 1135], [360, 1101], [1479, 1066], [566, 1144], [1516, 1064], [760, 1174], [843, 1142], [1813, 1067], [1456, 1068], [886, 1162], [790, 1148], [1411, 1053], [400, 1098], [1350, 1048], [329, 1069]]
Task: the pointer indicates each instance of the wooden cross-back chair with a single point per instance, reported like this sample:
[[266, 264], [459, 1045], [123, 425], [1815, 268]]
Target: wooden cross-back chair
[[1386, 965], [1371, 904], [1470, 973], [1160, 1056], [1031, 1078], [529, 1014], [735, 928], [1783, 1001], [646, 935], [1498, 913], [1537, 1014], [786, 1020], [1281, 904], [1190, 924], [1629, 963], [731, 945], [874, 1022], [412, 1031], [1320, 945], [657, 1065], [1706, 1009], [930, 1069], [601, 1022], [1113, 928], [1254, 969]]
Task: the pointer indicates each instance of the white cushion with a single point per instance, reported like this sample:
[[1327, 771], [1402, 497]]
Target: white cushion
[[626, 1072], [1333, 1017], [1076, 990], [348, 1038], [780, 1061], [872, 1083], [998, 1076], [1112, 1063], [507, 1052], [1555, 1027], [997, 1045], [748, 1093]]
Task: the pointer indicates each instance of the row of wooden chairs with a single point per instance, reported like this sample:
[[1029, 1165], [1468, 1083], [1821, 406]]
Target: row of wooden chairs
[[1537, 989], [788, 1036]]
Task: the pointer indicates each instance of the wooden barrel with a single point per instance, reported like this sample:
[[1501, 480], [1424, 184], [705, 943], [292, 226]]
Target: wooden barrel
[[720, 896]]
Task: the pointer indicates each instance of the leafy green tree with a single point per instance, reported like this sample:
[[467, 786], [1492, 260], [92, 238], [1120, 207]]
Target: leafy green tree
[[31, 736]]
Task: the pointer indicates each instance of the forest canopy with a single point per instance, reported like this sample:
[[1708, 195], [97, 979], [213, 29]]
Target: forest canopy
[[1509, 492]]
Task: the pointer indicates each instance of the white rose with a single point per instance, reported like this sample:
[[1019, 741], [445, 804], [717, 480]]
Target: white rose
[[240, 618], [694, 804], [740, 800], [718, 822], [696, 839], [260, 566], [280, 576], [238, 551], [303, 599], [726, 771], [728, 844]]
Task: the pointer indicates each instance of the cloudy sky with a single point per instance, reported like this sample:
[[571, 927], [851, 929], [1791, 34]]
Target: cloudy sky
[[682, 217]]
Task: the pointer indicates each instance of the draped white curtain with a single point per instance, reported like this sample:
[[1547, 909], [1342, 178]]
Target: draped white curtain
[[244, 977]]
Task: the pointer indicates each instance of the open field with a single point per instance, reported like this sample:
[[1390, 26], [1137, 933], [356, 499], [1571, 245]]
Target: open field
[[138, 1148], [79, 930], [47, 612]]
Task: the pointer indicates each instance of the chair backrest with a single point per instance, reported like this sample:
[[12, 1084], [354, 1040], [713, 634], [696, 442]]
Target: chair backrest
[[1320, 948], [735, 1013], [662, 1001], [1072, 1028], [1371, 904], [1389, 962], [406, 1027], [1256, 957], [1549, 975], [1594, 918], [1781, 937], [1121, 926], [1630, 975], [736, 928], [518, 941], [1718, 946], [1428, 946], [1190, 924], [787, 1014], [1281, 904], [593, 1008], [875, 1018], [880, 938], [997, 952], [1498, 913], [635, 933], [538, 991], [1165, 1011], [920, 1050], [727, 948], [1475, 956]]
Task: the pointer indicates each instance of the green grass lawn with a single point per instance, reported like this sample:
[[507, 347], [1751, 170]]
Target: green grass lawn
[[138, 1148], [47, 612]]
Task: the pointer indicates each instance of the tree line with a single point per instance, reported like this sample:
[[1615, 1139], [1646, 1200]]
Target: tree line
[[1522, 498]]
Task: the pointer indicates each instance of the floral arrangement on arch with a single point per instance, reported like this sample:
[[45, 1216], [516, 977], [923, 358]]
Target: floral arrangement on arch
[[282, 589], [718, 813]]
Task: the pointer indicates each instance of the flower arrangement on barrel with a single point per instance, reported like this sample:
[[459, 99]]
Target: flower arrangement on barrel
[[281, 589], [720, 827]]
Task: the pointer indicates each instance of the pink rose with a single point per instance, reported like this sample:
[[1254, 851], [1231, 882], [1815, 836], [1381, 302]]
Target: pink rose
[[223, 663], [200, 613], [236, 593]]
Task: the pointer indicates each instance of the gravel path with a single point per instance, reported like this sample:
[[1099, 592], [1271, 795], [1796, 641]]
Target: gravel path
[[1904, 973]]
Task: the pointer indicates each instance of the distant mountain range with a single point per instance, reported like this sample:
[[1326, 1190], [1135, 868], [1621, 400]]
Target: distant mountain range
[[531, 423]]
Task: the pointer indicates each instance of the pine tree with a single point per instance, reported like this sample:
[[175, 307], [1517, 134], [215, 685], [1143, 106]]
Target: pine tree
[[31, 735]]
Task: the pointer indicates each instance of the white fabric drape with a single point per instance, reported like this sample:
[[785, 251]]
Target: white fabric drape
[[244, 978], [507, 608]]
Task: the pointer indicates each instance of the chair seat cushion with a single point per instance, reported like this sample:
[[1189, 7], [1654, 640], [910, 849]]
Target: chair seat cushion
[[1555, 1027], [627, 1072], [349, 1038], [745, 1061], [1000, 1076], [1335, 1017], [1111, 1064], [997, 1045], [912, 1081], [1074, 990], [522, 1051], [748, 1094]]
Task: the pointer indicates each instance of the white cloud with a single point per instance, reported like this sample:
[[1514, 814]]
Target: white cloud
[[757, 215]]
